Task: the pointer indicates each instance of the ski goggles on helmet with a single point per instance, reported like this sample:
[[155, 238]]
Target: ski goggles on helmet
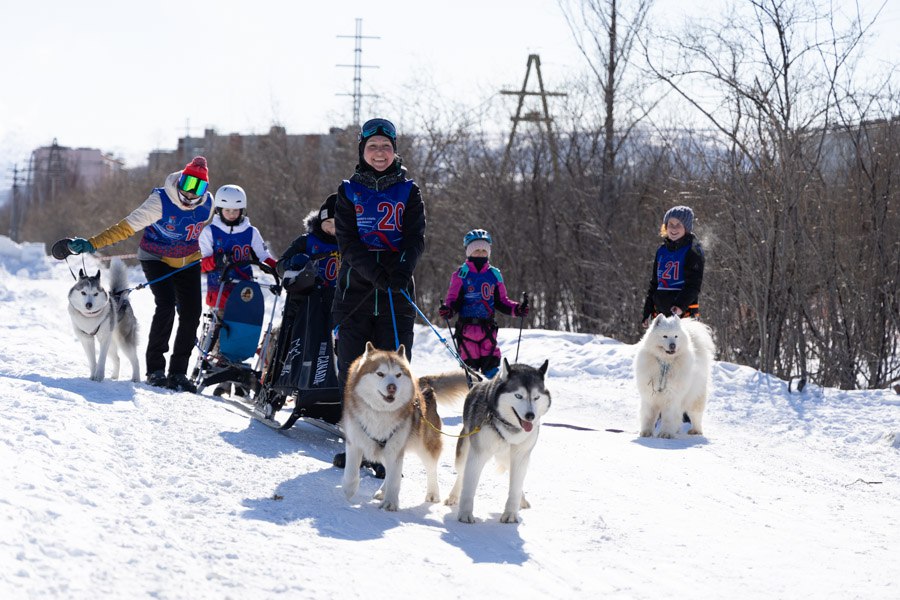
[[191, 184], [378, 127]]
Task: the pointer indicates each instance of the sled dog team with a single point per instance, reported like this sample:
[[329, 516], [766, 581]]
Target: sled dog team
[[385, 409], [388, 411]]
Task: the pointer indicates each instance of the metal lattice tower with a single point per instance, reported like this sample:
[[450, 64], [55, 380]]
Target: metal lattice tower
[[357, 67], [533, 116]]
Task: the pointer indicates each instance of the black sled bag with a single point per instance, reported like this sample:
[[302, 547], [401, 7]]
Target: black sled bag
[[309, 365]]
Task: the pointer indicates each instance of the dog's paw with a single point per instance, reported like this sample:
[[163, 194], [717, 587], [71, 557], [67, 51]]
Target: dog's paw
[[379, 495], [509, 517], [432, 497], [96, 377], [350, 488], [666, 435], [452, 500], [693, 431], [389, 505], [466, 517], [646, 433], [524, 503]]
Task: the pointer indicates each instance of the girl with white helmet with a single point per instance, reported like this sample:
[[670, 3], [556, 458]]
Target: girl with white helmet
[[229, 239]]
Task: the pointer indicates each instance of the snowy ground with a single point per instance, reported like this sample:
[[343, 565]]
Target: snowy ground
[[119, 490]]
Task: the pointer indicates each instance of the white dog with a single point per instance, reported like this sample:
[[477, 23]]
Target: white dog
[[107, 318], [672, 373]]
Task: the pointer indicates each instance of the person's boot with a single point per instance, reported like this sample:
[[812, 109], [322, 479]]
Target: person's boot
[[158, 379], [180, 383]]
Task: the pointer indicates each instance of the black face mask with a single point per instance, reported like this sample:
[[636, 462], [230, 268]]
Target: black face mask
[[478, 261]]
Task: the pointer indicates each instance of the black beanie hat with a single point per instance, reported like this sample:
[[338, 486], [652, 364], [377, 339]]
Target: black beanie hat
[[326, 211]]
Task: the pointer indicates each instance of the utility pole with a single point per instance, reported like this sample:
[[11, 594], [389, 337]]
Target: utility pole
[[533, 116], [18, 207], [357, 70]]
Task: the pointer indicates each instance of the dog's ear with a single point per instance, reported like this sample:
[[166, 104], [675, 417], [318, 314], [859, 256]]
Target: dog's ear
[[504, 368], [97, 276], [402, 350], [81, 274], [543, 369], [658, 318], [369, 348]]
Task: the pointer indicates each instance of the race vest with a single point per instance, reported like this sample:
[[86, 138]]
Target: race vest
[[670, 267], [478, 292], [329, 265], [176, 234], [379, 213], [238, 247]]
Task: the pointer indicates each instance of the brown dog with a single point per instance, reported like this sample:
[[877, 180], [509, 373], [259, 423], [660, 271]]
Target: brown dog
[[385, 413]]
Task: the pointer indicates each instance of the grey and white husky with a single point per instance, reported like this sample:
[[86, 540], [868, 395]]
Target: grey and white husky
[[106, 317], [501, 418]]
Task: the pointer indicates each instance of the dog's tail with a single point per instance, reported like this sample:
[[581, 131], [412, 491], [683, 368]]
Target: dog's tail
[[118, 276], [450, 388]]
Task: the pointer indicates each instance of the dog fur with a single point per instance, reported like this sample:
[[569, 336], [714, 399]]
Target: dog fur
[[107, 318], [502, 419], [672, 370], [386, 412]]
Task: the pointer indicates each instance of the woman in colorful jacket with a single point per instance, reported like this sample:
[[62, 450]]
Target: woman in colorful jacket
[[380, 230], [172, 218]]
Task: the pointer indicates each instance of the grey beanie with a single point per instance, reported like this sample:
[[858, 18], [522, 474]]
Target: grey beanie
[[683, 214]]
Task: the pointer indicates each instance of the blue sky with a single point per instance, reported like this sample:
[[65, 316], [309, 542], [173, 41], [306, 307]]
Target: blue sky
[[128, 77]]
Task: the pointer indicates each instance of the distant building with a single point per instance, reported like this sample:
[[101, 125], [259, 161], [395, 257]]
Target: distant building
[[80, 166], [212, 142]]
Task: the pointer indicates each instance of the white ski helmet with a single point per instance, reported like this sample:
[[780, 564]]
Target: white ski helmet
[[231, 196]]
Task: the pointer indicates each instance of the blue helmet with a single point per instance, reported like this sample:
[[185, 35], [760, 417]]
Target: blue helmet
[[477, 234]]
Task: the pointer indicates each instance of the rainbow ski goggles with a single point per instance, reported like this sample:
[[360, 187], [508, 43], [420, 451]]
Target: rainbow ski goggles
[[191, 184]]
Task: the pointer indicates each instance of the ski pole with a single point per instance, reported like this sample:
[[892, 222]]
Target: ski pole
[[438, 334], [521, 325], [394, 317]]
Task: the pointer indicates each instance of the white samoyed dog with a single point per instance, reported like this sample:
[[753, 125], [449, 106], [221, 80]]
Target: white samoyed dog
[[672, 372]]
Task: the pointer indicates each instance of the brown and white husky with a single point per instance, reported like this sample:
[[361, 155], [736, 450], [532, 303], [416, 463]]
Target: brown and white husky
[[386, 412]]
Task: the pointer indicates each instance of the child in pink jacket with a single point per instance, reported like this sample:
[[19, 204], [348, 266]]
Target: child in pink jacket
[[476, 292]]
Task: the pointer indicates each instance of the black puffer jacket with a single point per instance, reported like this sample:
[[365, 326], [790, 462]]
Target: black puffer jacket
[[365, 274], [662, 301]]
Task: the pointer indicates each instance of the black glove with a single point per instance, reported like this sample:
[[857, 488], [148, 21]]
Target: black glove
[[222, 261], [521, 310], [445, 311], [267, 269]]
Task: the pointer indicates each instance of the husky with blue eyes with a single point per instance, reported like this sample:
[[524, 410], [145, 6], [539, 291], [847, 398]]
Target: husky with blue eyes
[[501, 418]]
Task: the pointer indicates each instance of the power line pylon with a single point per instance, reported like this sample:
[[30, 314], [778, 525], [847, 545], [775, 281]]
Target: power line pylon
[[533, 116], [357, 69], [18, 206]]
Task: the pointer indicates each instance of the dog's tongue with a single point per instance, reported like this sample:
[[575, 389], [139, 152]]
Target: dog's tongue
[[526, 425]]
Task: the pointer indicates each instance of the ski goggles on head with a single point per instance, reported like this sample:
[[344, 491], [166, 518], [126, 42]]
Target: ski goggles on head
[[191, 184], [378, 127]]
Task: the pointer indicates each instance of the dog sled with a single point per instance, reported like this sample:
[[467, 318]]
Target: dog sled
[[293, 373]]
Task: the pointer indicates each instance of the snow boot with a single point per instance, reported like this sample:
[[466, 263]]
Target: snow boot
[[180, 383]]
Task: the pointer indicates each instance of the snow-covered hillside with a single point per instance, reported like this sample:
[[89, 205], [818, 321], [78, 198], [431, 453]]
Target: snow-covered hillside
[[120, 490]]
